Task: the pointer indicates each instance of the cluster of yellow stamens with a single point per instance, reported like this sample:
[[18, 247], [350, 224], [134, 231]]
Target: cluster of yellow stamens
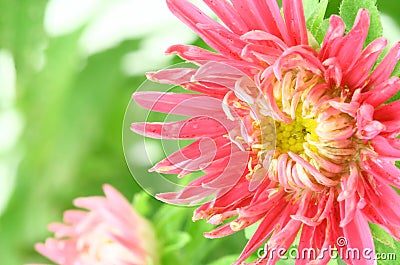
[[284, 137], [291, 137]]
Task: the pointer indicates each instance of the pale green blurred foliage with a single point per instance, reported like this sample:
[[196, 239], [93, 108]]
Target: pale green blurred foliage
[[71, 110]]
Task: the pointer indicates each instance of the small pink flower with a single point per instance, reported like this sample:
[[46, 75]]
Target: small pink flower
[[291, 135], [110, 232]]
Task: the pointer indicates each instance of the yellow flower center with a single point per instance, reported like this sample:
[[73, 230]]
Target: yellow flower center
[[284, 137], [290, 137]]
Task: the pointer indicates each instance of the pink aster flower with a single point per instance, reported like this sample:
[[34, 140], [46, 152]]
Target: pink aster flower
[[110, 232], [290, 134]]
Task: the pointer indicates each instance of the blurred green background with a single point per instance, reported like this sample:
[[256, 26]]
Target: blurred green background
[[67, 71]]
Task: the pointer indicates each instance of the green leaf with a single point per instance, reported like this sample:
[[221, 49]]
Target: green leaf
[[340, 261], [396, 71], [288, 261], [315, 13], [349, 10], [169, 219], [381, 236], [333, 262], [309, 7], [385, 245], [333, 8], [178, 241], [394, 98], [321, 30], [141, 203], [225, 260], [249, 231]]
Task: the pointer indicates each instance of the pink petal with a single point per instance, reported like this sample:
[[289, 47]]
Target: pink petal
[[306, 208], [212, 90], [186, 129], [270, 17], [332, 37], [74, 216], [235, 168], [375, 217], [387, 148], [284, 238], [62, 230], [391, 126], [297, 57], [349, 183], [381, 92], [352, 44], [228, 15], [193, 196], [302, 179], [328, 206], [201, 56], [249, 13], [316, 238], [388, 111], [320, 178], [267, 38], [358, 74], [349, 108], [219, 73], [349, 207], [180, 104], [383, 170], [333, 72], [384, 200], [367, 127], [222, 231], [324, 163], [176, 76], [282, 165], [61, 252], [306, 242], [261, 53], [262, 233], [217, 37], [90, 203], [359, 236], [295, 21], [196, 156], [276, 25], [385, 68], [243, 221]]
